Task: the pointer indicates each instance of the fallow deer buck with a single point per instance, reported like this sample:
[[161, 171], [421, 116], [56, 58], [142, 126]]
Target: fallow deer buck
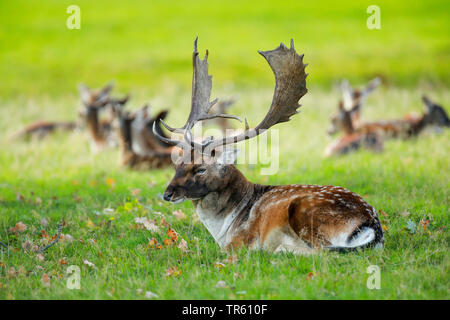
[[153, 153], [94, 101], [296, 218]]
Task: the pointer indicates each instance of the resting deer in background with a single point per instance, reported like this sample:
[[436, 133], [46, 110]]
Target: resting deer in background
[[42, 129], [158, 157], [353, 100], [296, 218], [94, 102], [410, 126]]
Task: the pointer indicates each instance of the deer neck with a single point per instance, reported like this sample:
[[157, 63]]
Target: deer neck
[[220, 209], [94, 127], [348, 125]]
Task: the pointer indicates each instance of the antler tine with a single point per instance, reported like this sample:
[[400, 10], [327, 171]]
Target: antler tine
[[290, 86]]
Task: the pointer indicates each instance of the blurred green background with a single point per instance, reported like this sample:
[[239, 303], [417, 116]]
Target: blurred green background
[[143, 45]]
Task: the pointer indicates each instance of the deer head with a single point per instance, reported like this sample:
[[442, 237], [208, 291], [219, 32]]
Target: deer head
[[435, 114], [352, 101], [206, 166]]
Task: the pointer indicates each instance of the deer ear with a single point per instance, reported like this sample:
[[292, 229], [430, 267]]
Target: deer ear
[[228, 156], [85, 93]]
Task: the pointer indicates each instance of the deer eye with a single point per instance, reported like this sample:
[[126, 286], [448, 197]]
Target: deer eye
[[200, 171]]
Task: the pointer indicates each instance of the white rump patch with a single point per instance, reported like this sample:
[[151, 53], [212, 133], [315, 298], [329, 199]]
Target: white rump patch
[[365, 236]]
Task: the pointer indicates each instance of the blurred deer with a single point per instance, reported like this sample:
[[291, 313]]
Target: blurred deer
[[153, 153], [41, 129], [352, 139], [94, 101], [409, 126], [296, 218], [353, 100]]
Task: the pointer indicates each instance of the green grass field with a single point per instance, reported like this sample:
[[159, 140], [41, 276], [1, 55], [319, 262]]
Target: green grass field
[[146, 47]]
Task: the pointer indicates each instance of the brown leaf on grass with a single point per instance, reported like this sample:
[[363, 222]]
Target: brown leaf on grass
[[424, 224], [12, 273], [231, 259], [167, 242], [383, 213], [150, 295], [179, 214], [76, 198], [148, 224], [173, 272], [26, 245], [62, 261], [163, 222], [20, 197], [173, 235], [90, 224], [88, 263], [405, 213], [66, 237], [219, 265], [221, 284], [310, 276], [20, 227], [110, 182], [40, 257], [153, 242], [183, 246], [44, 234], [44, 222], [45, 280], [135, 192]]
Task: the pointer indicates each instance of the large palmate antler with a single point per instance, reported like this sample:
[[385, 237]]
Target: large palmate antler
[[290, 86], [200, 103]]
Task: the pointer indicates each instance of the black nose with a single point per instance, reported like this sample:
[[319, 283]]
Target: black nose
[[168, 195]]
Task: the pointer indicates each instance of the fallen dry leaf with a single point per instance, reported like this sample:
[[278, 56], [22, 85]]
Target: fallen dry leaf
[[88, 263], [110, 182], [424, 224], [173, 272], [405, 213], [44, 234], [66, 237], [221, 284], [384, 227], [20, 197], [44, 222], [172, 234], [135, 192], [40, 257], [383, 213], [310, 276], [179, 214], [62, 261], [167, 242], [45, 280], [76, 198], [150, 295], [148, 224], [183, 246], [219, 265], [90, 224], [20, 227]]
